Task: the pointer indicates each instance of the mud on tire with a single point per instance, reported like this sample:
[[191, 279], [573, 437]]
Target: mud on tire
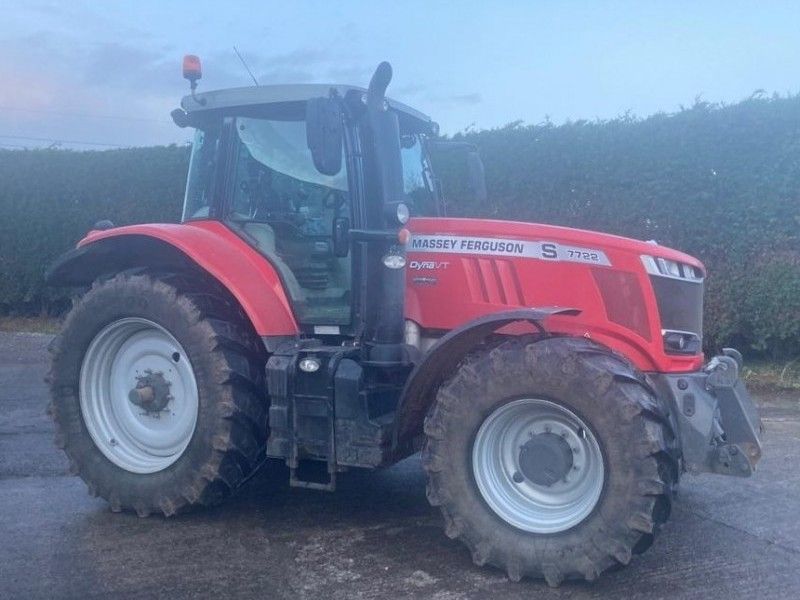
[[634, 434], [227, 359]]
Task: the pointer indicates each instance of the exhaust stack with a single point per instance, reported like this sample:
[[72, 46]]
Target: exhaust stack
[[383, 257]]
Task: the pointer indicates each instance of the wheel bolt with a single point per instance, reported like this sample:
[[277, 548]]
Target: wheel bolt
[[575, 450], [547, 428], [517, 477]]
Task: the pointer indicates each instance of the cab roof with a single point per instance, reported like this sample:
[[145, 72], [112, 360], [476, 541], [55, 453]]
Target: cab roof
[[269, 94]]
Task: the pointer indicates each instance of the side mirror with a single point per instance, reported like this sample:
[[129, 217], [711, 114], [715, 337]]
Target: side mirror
[[324, 134], [341, 236], [477, 178]]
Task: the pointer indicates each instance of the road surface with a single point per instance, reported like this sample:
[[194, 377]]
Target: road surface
[[376, 537]]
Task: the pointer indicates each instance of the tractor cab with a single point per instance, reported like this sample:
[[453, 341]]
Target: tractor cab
[[284, 167]]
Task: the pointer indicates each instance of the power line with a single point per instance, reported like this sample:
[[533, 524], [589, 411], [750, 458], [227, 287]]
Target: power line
[[59, 141], [83, 115]]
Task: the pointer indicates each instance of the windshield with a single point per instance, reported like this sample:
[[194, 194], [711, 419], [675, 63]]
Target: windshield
[[417, 177], [281, 146]]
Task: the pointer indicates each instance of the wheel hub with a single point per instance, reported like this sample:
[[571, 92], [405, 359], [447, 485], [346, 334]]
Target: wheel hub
[[545, 459], [151, 392], [138, 395], [538, 465]]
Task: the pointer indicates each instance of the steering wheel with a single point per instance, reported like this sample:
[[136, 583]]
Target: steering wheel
[[334, 199]]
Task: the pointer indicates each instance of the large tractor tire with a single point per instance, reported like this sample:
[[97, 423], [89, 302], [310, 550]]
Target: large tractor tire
[[549, 458], [158, 395]]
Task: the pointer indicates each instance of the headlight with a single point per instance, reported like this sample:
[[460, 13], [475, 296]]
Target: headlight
[[669, 267], [665, 267], [394, 261], [681, 342], [403, 213]]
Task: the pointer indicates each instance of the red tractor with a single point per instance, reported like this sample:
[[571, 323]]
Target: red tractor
[[315, 305]]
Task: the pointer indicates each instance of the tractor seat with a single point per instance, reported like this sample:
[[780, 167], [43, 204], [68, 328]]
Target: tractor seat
[[264, 237]]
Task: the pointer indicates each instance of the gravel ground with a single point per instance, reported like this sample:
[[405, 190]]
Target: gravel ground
[[376, 537]]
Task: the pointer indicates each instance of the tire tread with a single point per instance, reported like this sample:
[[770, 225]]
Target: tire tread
[[238, 356], [656, 466]]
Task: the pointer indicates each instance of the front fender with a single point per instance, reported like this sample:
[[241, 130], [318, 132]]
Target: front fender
[[442, 359], [207, 245]]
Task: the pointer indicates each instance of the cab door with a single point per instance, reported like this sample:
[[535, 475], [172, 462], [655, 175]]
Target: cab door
[[285, 208]]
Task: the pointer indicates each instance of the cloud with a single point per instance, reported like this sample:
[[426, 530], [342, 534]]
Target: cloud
[[423, 92], [451, 100], [350, 74], [302, 65], [473, 98], [120, 65], [54, 84], [75, 71]]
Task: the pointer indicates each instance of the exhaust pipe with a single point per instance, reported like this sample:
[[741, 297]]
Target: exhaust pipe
[[384, 285]]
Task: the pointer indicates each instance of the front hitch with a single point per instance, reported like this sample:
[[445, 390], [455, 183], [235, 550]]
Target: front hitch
[[718, 424]]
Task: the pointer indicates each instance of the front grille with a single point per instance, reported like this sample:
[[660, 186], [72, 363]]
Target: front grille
[[680, 304]]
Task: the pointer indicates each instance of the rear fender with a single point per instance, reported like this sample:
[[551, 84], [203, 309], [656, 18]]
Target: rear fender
[[442, 359], [209, 247]]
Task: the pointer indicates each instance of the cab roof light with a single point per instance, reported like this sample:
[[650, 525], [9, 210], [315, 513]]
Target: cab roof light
[[192, 69]]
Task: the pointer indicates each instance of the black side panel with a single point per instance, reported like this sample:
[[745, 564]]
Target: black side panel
[[341, 414], [279, 372], [83, 265], [360, 440]]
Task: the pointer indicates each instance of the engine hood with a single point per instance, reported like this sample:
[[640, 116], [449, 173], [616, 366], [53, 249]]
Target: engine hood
[[536, 232], [461, 269]]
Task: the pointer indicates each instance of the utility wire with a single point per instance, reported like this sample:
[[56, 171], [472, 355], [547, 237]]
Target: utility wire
[[82, 115], [60, 141]]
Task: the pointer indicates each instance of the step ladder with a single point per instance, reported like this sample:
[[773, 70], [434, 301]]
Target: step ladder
[[313, 441]]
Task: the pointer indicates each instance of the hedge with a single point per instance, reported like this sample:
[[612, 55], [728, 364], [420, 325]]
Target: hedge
[[719, 182], [50, 198]]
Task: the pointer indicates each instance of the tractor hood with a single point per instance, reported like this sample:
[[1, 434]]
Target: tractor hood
[[625, 293], [505, 233]]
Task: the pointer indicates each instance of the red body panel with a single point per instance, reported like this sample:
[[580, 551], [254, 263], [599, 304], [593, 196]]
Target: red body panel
[[241, 269], [446, 289]]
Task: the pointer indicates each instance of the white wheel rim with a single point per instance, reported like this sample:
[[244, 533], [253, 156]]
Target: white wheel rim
[[516, 499], [135, 439]]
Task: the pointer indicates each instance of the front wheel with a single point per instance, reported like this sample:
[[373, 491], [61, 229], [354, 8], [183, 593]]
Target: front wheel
[[549, 458], [157, 394]]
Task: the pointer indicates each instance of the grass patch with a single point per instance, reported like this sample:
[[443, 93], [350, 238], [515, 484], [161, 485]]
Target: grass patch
[[30, 324], [783, 374]]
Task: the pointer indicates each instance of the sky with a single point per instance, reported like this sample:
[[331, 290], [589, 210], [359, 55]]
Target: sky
[[104, 73]]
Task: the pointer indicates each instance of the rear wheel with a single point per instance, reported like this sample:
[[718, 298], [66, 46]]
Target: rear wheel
[[158, 395], [138, 395], [549, 458]]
